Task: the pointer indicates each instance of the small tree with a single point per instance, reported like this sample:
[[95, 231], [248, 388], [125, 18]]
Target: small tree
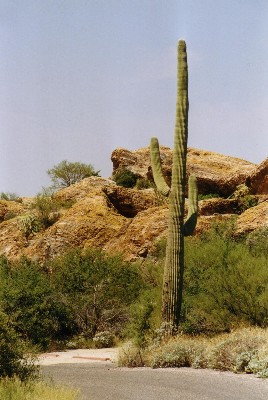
[[67, 173]]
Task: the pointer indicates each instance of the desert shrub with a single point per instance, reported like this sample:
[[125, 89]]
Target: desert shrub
[[244, 199], [67, 173], [29, 224], [131, 356], [159, 250], [145, 311], [46, 208], [179, 352], [141, 313], [143, 183], [208, 196], [124, 177], [243, 350], [79, 341], [98, 288], [10, 215], [10, 196], [13, 350], [225, 283], [104, 339], [257, 242], [240, 351], [39, 313]]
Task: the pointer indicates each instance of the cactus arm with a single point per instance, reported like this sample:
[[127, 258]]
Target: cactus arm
[[159, 180], [190, 223]]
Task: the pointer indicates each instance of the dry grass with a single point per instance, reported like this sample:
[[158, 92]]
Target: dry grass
[[243, 350], [16, 390]]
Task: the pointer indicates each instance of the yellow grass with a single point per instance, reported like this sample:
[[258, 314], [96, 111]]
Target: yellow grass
[[14, 389]]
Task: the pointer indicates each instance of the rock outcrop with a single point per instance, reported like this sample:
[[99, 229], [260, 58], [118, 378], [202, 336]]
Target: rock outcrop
[[253, 218], [216, 173], [258, 180], [130, 221]]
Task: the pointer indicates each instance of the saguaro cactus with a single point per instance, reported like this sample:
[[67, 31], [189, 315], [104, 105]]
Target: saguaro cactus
[[177, 229]]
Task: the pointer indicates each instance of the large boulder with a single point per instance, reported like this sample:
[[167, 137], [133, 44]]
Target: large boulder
[[216, 173], [258, 180], [253, 218]]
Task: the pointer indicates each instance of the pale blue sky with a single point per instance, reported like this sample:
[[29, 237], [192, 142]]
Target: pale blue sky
[[79, 78]]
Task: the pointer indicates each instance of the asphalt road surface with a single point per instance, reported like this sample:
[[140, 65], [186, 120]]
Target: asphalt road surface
[[104, 381]]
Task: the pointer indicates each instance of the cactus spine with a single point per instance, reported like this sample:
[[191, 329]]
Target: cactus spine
[[177, 229]]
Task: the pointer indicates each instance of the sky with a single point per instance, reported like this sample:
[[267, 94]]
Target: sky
[[80, 78]]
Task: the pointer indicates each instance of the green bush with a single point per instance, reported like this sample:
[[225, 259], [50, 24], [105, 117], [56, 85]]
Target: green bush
[[98, 288], [103, 339], [47, 208], [124, 177], [226, 282], [131, 356], [29, 224], [13, 350], [257, 242], [10, 196], [143, 183], [208, 196], [244, 199], [243, 350], [39, 313], [145, 311]]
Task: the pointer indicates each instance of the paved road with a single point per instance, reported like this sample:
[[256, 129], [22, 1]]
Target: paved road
[[104, 381]]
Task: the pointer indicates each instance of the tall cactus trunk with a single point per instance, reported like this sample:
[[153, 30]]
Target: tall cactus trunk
[[177, 229], [174, 264]]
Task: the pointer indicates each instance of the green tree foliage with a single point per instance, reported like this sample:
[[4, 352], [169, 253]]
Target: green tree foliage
[[226, 281], [38, 312], [67, 173], [97, 287], [79, 293], [226, 284], [145, 311], [126, 178], [13, 361]]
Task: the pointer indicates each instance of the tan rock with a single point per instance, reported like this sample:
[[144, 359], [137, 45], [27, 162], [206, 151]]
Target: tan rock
[[216, 173], [258, 180], [10, 209], [130, 221], [129, 202], [12, 239], [253, 218], [83, 188], [137, 237], [90, 222], [217, 206]]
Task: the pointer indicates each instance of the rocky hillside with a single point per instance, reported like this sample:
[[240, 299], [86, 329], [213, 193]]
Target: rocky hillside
[[98, 213]]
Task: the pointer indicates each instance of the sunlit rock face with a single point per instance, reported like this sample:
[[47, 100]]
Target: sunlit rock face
[[102, 215], [216, 173]]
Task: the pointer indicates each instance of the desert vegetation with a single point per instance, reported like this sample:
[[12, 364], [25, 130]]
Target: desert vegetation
[[91, 299], [67, 173], [34, 390]]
